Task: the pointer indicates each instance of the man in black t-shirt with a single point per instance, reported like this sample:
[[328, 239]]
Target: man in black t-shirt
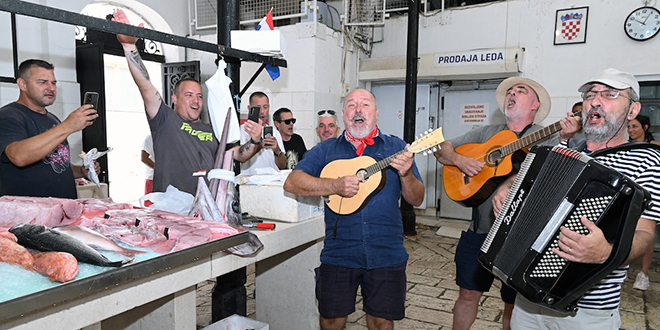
[[293, 143], [35, 159]]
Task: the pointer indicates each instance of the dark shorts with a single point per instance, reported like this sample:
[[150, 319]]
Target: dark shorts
[[383, 291], [469, 272]]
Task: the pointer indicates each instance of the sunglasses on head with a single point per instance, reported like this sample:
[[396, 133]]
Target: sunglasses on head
[[288, 121], [330, 112]]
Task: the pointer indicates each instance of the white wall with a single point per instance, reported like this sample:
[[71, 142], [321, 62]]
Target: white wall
[[530, 24]]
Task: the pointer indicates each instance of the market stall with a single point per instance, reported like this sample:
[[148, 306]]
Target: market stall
[[160, 292]]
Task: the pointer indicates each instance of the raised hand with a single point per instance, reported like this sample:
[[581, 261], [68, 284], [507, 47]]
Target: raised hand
[[120, 16]]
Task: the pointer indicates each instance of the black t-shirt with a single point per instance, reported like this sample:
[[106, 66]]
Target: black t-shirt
[[49, 177], [295, 150]]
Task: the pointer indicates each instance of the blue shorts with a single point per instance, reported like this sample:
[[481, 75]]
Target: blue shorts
[[469, 272], [383, 291]]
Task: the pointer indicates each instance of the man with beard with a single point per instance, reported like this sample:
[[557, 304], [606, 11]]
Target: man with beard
[[364, 248], [524, 102], [35, 158], [610, 101]]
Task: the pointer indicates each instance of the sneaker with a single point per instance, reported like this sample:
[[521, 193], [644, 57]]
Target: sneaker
[[641, 282]]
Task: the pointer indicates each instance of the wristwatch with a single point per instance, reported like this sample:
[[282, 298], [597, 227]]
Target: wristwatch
[[255, 142], [277, 154]]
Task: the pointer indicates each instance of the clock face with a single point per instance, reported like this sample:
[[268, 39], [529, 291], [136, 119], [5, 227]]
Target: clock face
[[642, 24]]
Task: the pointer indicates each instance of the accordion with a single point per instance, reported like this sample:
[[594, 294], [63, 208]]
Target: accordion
[[555, 187]]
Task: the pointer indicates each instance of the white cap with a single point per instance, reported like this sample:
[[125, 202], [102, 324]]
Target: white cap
[[615, 79]]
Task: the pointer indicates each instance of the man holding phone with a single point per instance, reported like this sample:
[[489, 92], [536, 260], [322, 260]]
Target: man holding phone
[[266, 151], [35, 159]]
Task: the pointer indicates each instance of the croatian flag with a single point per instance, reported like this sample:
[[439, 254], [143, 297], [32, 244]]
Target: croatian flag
[[266, 24]]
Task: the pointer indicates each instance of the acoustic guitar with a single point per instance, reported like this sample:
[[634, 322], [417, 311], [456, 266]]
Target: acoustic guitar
[[371, 172], [499, 153]]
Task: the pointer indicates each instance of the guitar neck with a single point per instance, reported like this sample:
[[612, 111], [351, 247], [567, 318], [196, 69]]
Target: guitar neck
[[382, 164], [528, 140]]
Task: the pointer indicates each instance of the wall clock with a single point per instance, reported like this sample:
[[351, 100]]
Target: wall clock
[[642, 24]]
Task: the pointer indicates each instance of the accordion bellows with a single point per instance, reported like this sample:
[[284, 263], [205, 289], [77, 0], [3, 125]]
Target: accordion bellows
[[555, 187]]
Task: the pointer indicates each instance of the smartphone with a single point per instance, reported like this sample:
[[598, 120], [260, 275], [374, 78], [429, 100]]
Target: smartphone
[[267, 131], [254, 113], [93, 99]]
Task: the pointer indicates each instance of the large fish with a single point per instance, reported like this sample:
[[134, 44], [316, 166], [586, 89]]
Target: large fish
[[45, 239], [95, 240]]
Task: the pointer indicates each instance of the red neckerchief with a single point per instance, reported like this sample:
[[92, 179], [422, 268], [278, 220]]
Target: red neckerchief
[[366, 141]]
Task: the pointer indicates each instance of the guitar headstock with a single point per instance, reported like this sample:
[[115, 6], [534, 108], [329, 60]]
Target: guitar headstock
[[428, 141]]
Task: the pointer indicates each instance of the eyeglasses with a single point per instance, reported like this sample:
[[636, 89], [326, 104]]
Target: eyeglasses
[[330, 112], [609, 94], [288, 121]]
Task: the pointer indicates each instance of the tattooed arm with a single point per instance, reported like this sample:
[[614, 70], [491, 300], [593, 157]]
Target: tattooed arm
[[150, 95], [243, 153]]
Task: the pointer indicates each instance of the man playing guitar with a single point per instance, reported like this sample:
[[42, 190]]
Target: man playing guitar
[[366, 246], [524, 103]]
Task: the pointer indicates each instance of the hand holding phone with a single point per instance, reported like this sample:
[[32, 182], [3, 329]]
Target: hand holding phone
[[267, 131], [93, 99], [254, 113]]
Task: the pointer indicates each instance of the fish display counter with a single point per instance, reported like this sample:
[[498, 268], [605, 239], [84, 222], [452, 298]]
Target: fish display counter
[[159, 291]]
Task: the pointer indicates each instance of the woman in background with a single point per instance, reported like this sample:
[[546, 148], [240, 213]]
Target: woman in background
[[638, 130]]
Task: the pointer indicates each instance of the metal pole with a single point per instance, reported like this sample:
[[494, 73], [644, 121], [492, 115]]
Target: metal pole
[[229, 19], [229, 294], [407, 212]]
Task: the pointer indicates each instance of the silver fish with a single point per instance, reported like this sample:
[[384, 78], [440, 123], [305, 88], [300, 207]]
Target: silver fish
[[95, 240], [45, 239]]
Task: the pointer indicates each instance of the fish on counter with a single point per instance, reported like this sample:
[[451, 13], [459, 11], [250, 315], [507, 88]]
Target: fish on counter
[[47, 211], [6, 234], [95, 240], [16, 254], [58, 266], [45, 239]]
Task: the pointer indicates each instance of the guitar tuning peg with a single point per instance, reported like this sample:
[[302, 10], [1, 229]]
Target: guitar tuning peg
[[434, 149]]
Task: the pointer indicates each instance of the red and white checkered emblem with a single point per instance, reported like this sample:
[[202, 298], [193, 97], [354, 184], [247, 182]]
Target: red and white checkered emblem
[[570, 25], [570, 29]]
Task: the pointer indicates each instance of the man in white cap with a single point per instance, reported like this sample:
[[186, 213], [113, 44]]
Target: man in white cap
[[610, 101], [524, 103]]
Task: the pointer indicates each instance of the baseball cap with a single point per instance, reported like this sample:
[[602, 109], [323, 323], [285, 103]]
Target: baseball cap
[[544, 97], [615, 79]]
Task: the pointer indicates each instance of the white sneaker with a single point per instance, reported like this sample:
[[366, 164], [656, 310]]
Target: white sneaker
[[641, 282]]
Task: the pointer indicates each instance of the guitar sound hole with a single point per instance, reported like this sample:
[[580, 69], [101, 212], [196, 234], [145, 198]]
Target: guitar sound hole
[[362, 174], [494, 156]]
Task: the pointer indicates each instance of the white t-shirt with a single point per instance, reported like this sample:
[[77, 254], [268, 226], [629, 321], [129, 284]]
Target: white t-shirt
[[148, 146], [263, 158]]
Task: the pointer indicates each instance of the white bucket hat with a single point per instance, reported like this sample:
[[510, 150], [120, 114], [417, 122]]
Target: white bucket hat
[[544, 97]]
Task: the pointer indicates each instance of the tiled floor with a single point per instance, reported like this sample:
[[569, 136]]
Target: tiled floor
[[432, 290]]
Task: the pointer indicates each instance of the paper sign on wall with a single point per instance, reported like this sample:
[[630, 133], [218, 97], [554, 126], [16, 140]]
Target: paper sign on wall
[[475, 114]]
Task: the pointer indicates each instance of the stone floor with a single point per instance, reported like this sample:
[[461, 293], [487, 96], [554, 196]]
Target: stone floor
[[432, 290]]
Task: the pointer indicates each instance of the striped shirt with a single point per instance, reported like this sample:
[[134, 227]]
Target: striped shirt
[[642, 165]]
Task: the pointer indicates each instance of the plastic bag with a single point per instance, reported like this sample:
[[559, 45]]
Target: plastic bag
[[172, 200], [88, 161]]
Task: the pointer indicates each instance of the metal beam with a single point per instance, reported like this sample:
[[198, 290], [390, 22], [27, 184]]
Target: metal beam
[[67, 17]]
